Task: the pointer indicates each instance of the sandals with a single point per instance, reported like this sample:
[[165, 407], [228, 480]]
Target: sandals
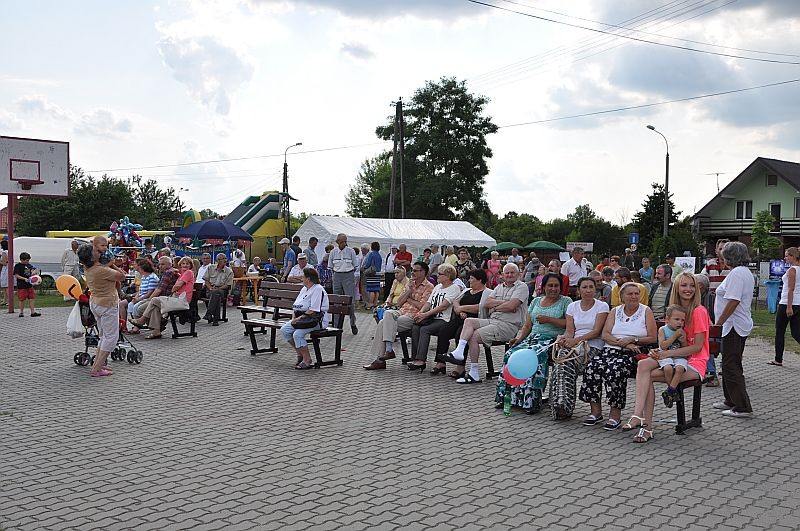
[[643, 436], [611, 425], [591, 420], [303, 366], [455, 361], [775, 363], [101, 372], [455, 374], [628, 426], [467, 379], [669, 398], [153, 336]]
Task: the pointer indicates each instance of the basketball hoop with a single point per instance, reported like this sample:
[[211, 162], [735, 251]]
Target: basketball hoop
[[27, 185]]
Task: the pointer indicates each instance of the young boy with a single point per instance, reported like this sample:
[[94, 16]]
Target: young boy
[[22, 272], [671, 336]]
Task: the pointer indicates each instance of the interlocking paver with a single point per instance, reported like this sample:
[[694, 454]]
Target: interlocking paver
[[203, 435]]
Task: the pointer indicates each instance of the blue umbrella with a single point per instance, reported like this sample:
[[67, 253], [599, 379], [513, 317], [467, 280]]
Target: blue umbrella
[[213, 229]]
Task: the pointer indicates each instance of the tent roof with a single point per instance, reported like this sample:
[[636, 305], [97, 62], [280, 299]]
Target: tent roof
[[415, 233]]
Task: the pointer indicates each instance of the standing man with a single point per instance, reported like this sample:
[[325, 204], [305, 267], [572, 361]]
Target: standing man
[[218, 281], [289, 258], [575, 268], [403, 258], [661, 291], [436, 260], [296, 245], [629, 260], [342, 262], [515, 258], [388, 268], [70, 264], [311, 252]]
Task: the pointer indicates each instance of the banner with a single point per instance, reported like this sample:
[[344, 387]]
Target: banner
[[686, 262], [586, 246]]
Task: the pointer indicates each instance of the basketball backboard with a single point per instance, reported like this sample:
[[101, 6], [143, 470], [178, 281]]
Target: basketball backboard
[[29, 166]]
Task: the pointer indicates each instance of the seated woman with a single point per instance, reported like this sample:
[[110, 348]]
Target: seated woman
[[148, 285], [311, 302], [546, 320], [627, 326], [398, 287], [255, 268], [433, 316], [182, 290], [686, 294], [468, 304], [585, 320]]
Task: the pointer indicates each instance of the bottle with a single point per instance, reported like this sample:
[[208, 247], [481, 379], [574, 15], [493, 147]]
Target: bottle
[[507, 404]]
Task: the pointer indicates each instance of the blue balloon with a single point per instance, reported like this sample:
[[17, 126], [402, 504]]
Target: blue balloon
[[523, 363]]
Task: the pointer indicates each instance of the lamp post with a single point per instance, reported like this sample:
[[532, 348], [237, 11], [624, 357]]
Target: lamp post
[[666, 182], [286, 215]]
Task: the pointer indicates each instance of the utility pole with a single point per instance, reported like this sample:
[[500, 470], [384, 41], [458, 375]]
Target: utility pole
[[287, 218], [402, 155], [394, 161]]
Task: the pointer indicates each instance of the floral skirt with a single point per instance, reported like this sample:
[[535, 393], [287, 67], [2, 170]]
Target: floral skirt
[[528, 396]]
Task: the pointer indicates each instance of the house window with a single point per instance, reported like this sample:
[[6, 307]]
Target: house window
[[772, 180], [744, 210]]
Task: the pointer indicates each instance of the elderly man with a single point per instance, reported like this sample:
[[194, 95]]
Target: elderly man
[[289, 257], [388, 268], [403, 258], [70, 264], [296, 274], [661, 291], [311, 251], [506, 307], [168, 275], [411, 302], [205, 263], [217, 282], [575, 268], [343, 262], [515, 258]]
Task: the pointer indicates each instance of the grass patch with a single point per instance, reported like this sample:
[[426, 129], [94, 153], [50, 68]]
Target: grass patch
[[48, 300], [764, 328]]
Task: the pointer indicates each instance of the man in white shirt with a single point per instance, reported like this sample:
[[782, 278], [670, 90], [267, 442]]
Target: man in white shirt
[[343, 262], [575, 268], [205, 262], [296, 274], [388, 268], [69, 263], [515, 258]]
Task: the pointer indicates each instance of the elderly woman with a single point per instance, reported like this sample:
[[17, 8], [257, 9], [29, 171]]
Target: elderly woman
[[545, 320], [788, 314], [585, 320], [732, 309], [686, 294], [469, 304], [493, 268], [104, 302], [398, 287], [310, 313], [464, 266], [627, 326], [432, 317], [180, 298]]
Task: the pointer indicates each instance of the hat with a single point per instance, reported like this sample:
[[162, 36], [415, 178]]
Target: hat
[[669, 255], [284, 240], [302, 255]]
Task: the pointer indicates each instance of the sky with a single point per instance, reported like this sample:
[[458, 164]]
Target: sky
[[154, 88]]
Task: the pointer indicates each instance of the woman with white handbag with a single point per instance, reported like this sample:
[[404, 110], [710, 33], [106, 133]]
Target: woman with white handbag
[[179, 300], [573, 350]]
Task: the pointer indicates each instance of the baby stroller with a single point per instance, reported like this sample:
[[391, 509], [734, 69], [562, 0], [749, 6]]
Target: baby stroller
[[124, 349]]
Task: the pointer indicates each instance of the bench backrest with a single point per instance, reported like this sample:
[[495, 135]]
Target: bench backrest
[[282, 299]]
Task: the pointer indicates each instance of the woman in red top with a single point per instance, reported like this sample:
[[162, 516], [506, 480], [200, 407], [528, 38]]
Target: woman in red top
[[687, 295]]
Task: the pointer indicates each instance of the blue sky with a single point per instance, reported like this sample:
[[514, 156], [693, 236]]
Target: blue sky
[[135, 84]]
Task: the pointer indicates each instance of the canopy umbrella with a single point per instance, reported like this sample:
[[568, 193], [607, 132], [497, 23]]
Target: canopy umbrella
[[543, 245], [502, 247], [213, 229]]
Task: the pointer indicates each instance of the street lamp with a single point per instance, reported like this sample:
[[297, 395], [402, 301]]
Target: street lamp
[[666, 182], [288, 218]]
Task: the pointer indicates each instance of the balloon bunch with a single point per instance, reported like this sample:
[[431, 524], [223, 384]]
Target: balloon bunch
[[521, 365], [123, 234]]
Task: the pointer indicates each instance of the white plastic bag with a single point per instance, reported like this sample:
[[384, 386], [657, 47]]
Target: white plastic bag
[[74, 327]]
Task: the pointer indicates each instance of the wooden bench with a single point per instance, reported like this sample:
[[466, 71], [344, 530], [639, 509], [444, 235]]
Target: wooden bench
[[190, 316], [714, 343], [263, 308], [223, 303], [282, 301], [487, 352]]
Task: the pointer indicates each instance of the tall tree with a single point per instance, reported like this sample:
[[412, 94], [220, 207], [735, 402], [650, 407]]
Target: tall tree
[[369, 196], [649, 222], [154, 207], [207, 213], [766, 245], [445, 162]]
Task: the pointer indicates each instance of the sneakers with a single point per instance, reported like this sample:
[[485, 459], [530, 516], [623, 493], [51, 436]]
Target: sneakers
[[36, 314], [720, 405], [737, 414]]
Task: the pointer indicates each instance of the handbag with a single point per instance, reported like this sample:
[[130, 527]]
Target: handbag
[[173, 303], [307, 320], [369, 271]]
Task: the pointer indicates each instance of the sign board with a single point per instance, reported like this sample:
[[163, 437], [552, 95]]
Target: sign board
[[30, 166], [686, 262], [633, 247], [633, 237], [563, 256], [586, 246]]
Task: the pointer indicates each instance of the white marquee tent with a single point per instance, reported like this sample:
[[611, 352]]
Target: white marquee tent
[[415, 233]]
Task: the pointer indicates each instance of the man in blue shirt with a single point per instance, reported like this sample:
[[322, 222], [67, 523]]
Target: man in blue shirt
[[289, 258]]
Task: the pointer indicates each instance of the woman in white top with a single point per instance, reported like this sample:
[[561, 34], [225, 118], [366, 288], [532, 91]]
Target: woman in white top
[[313, 301], [789, 305], [628, 326], [433, 316]]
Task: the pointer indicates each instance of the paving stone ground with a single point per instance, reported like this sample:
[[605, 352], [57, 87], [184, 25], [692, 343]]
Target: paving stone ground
[[202, 435]]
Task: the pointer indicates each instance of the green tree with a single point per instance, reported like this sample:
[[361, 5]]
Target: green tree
[[207, 213], [649, 222], [153, 207], [679, 239], [587, 226], [369, 196], [767, 247], [445, 162]]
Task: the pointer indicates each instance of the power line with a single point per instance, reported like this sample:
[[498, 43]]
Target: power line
[[676, 46], [651, 33], [307, 151], [645, 105]]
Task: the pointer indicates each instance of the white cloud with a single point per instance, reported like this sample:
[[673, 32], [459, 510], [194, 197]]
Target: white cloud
[[449, 10], [9, 121], [103, 123], [357, 50], [33, 104], [211, 70]]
